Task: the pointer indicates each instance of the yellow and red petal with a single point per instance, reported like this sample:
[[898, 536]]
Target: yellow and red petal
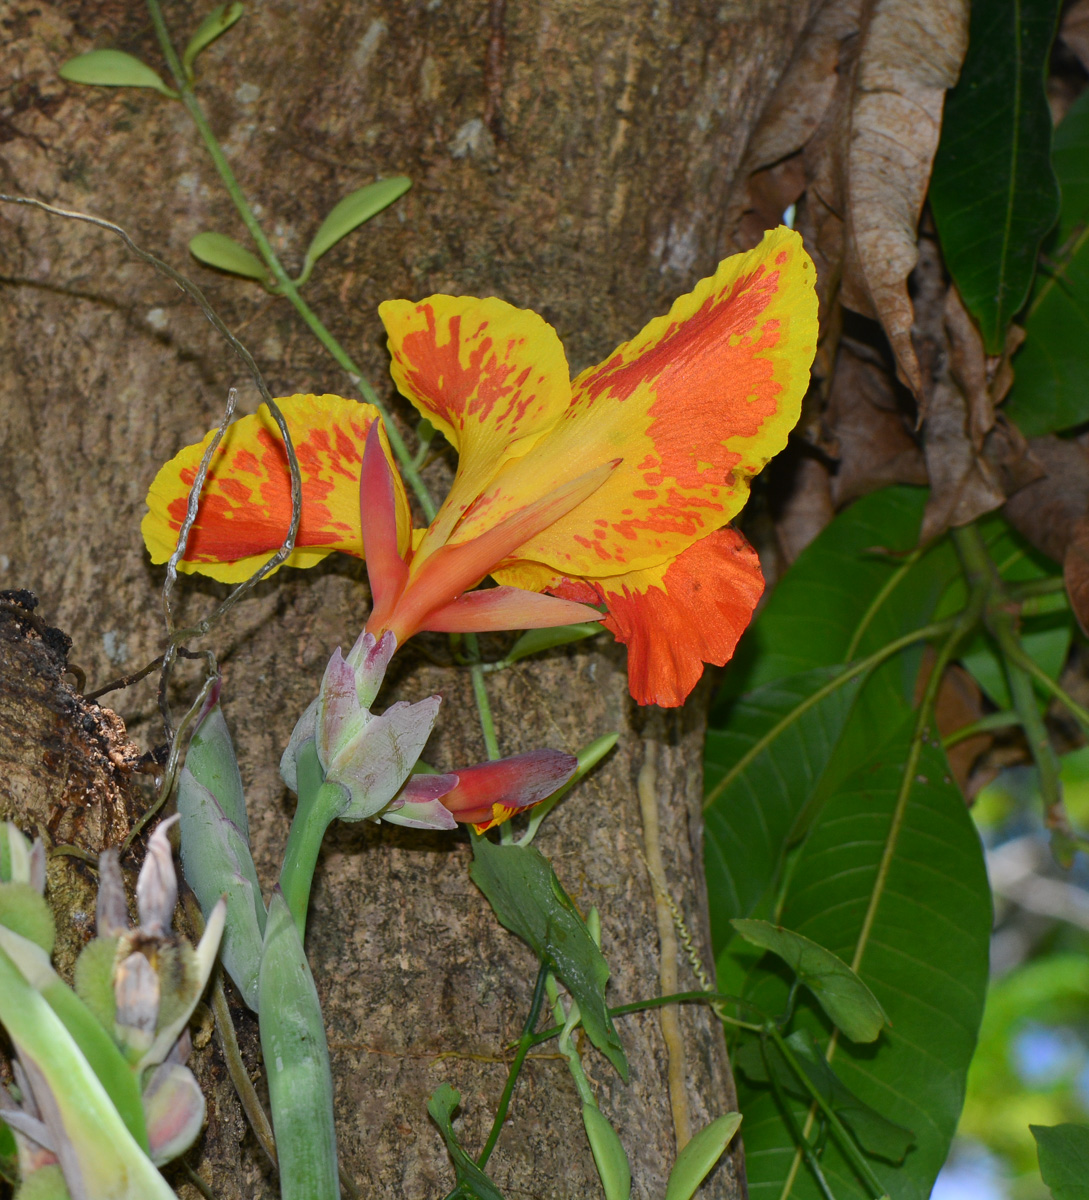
[[245, 508], [490, 376], [676, 617], [695, 405]]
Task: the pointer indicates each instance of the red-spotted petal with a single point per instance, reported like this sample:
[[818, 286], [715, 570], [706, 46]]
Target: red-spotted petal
[[695, 405], [245, 508], [676, 617], [490, 376]]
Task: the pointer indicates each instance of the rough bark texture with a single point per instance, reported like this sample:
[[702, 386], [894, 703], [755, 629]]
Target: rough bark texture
[[569, 155]]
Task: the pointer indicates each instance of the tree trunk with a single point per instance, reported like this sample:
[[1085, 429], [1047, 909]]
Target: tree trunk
[[568, 155]]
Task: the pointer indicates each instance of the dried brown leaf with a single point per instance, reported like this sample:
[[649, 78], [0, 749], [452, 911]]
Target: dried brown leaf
[[1048, 511], [911, 54], [808, 507], [1076, 572], [799, 104], [1074, 30], [865, 428]]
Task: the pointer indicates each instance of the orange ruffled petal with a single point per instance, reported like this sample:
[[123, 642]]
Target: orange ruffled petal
[[245, 508], [695, 405], [673, 618]]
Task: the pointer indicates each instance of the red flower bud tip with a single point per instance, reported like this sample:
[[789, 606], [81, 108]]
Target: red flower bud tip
[[490, 793]]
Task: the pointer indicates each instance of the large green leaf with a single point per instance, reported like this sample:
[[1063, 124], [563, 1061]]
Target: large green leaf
[[761, 770], [993, 192], [890, 878], [529, 900], [1051, 371], [797, 727], [833, 603]]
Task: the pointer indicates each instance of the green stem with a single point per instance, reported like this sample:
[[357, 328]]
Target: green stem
[[525, 1042], [1000, 616], [574, 1063], [480, 695], [694, 997], [800, 1140], [846, 1142], [997, 720], [319, 805], [1045, 681], [284, 282]]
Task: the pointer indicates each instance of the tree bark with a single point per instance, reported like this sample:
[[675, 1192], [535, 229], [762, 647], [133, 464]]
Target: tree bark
[[568, 155]]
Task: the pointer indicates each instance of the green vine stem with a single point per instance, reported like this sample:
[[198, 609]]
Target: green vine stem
[[284, 282], [1000, 617], [846, 1142], [800, 1138], [525, 1044]]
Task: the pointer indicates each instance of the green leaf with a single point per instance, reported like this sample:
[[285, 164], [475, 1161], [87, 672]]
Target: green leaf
[[215, 850], [218, 21], [1051, 376], [110, 1161], [609, 1156], [891, 879], [800, 724], [352, 211], [113, 68], [993, 192], [874, 1133], [225, 254], [522, 888], [472, 1183], [534, 641], [761, 771], [296, 1054], [697, 1158], [1064, 1159], [849, 1003]]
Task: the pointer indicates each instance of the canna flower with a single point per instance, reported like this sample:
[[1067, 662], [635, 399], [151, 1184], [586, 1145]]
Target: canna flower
[[614, 489]]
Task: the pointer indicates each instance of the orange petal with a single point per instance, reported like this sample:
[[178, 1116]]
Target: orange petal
[[452, 570], [245, 507], [506, 608], [695, 405], [676, 617], [490, 376]]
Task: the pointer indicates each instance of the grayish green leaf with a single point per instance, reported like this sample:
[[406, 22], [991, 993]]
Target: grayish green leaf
[[609, 1156], [352, 211], [113, 68], [534, 641], [218, 21], [528, 899], [472, 1183], [225, 254], [697, 1158]]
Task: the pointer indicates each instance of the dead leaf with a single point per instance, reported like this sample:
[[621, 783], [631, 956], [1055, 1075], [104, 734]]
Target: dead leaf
[[959, 409], [807, 508], [1076, 572], [799, 103], [1047, 511], [866, 429], [911, 54], [1074, 30]]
